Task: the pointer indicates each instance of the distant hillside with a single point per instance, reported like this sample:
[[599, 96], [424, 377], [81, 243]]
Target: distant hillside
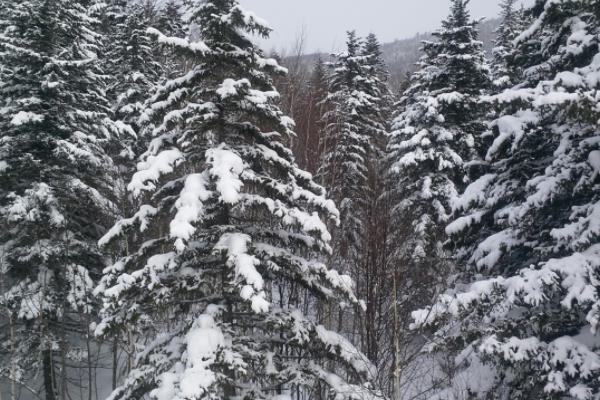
[[401, 55]]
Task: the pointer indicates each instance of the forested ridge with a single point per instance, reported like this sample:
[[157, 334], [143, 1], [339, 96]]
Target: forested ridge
[[184, 216]]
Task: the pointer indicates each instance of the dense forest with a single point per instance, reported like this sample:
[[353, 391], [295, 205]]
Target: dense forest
[[185, 216]]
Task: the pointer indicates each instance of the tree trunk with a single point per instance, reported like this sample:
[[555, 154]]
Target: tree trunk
[[48, 372], [397, 366], [115, 360]]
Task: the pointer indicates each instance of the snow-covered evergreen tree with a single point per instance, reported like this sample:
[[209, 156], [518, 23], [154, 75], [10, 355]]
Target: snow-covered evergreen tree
[[374, 285], [527, 232], [376, 85], [135, 72], [54, 192], [435, 142], [372, 50], [504, 70], [169, 21], [228, 228], [346, 145]]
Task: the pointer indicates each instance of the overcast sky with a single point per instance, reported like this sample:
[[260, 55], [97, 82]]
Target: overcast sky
[[326, 21]]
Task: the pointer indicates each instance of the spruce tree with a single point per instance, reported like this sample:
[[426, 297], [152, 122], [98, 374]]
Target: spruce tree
[[434, 147], [135, 71], [346, 145], [374, 285], [376, 85], [55, 197], [525, 307], [229, 230], [504, 71], [169, 21]]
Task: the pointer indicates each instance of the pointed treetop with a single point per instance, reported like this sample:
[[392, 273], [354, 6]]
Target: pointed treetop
[[372, 45], [459, 15], [353, 43], [224, 20]]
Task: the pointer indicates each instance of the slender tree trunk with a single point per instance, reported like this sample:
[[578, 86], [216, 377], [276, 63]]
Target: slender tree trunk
[[397, 366], [115, 361], [228, 389], [48, 374], [63, 369], [88, 345], [13, 384]]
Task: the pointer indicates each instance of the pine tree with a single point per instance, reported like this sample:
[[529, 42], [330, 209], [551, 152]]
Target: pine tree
[[54, 191], [213, 294], [435, 138], [526, 303]]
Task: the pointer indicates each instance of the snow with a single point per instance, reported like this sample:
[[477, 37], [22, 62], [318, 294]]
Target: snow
[[583, 229], [288, 122], [25, 117], [534, 27], [190, 208], [166, 387], [195, 46], [150, 170], [250, 18], [341, 281], [475, 193], [226, 168], [203, 342], [514, 349], [460, 224], [308, 222], [346, 350], [489, 251], [194, 377], [569, 79], [572, 276], [594, 161], [231, 87], [342, 390], [141, 217], [512, 128], [150, 274], [554, 98], [81, 288], [564, 358], [27, 207], [236, 246], [32, 305], [451, 97]]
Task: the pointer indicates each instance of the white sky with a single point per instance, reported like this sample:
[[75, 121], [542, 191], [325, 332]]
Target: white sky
[[326, 21]]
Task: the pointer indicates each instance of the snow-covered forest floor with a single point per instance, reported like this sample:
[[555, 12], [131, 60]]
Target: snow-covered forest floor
[[186, 217]]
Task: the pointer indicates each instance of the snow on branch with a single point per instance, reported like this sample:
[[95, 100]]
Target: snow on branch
[[190, 208], [196, 47], [150, 170], [142, 217], [244, 264]]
